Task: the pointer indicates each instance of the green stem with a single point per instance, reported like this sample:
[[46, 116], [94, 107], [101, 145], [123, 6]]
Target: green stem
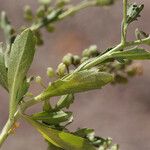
[[103, 57], [77, 8], [72, 10], [6, 131], [88, 65], [124, 22], [145, 41]]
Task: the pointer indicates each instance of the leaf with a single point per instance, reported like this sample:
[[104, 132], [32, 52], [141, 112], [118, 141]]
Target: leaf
[[65, 101], [133, 12], [133, 54], [3, 72], [85, 132], [52, 118], [78, 82], [53, 147], [60, 139], [21, 57], [24, 88]]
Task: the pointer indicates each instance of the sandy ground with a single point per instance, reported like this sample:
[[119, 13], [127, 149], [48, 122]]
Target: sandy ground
[[121, 112]]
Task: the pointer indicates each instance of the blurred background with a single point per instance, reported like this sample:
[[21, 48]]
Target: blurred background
[[121, 112]]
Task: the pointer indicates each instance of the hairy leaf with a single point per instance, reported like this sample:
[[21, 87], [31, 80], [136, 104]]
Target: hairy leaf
[[61, 139], [23, 90], [21, 57], [3, 72], [85, 132], [53, 147], [52, 118], [65, 101], [133, 54], [78, 82], [133, 12]]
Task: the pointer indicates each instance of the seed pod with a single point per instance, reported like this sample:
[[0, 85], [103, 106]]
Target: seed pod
[[67, 59], [50, 72], [61, 69]]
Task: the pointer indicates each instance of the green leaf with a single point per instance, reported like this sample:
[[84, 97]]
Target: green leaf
[[24, 88], [52, 118], [3, 72], [53, 147], [133, 12], [21, 57], [85, 132], [65, 101], [133, 54], [61, 139], [78, 82]]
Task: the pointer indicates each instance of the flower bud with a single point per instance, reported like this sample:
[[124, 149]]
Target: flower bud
[[131, 71], [38, 79], [120, 78], [93, 50], [50, 72], [61, 3], [101, 148], [67, 59], [50, 28], [40, 12], [135, 69], [28, 13], [84, 59], [76, 60], [86, 53], [139, 69], [61, 69], [115, 147], [109, 141], [38, 35]]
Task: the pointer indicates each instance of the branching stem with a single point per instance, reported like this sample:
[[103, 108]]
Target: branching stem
[[90, 63]]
